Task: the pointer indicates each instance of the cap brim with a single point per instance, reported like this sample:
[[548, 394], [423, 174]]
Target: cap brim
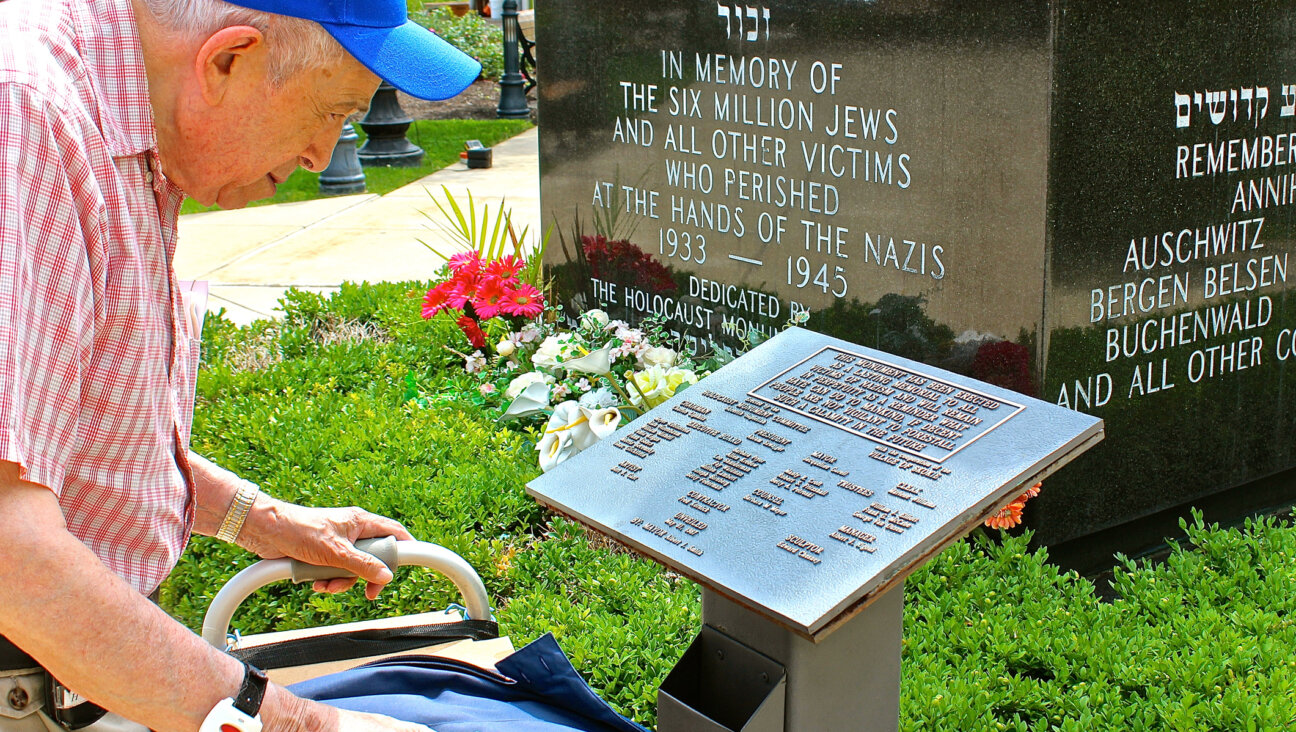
[[410, 58]]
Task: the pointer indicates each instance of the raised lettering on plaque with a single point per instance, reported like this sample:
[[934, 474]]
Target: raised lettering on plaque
[[833, 497]]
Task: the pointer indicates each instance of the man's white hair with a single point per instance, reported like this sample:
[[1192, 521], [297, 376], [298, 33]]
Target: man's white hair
[[295, 44]]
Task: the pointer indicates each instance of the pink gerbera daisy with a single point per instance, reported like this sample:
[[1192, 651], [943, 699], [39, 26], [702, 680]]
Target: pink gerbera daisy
[[465, 261], [505, 268], [488, 298], [524, 300], [435, 300]]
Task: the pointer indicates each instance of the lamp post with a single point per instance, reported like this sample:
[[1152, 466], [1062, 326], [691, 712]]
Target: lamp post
[[512, 103], [343, 174], [386, 124]]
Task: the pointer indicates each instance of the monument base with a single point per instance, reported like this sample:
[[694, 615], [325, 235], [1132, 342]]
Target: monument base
[[744, 673]]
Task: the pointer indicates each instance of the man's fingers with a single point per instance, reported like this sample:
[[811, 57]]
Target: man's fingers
[[372, 525], [334, 586], [367, 566]]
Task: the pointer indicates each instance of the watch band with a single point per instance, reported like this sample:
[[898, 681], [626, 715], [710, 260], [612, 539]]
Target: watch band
[[252, 691], [238, 512]]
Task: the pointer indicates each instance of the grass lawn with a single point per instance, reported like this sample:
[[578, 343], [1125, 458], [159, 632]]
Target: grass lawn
[[442, 140]]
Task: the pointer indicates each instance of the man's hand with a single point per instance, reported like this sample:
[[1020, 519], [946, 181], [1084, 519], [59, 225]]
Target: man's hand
[[323, 536], [274, 529]]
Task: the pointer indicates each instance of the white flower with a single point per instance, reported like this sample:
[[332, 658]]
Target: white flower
[[475, 363], [486, 389], [628, 335], [554, 448], [584, 384], [602, 422], [596, 362], [563, 435], [561, 390], [546, 356], [600, 398], [505, 348], [573, 428], [516, 386], [656, 384], [594, 319], [657, 356], [528, 334], [533, 400]]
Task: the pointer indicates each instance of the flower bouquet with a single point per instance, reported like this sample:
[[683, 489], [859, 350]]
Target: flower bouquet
[[584, 382]]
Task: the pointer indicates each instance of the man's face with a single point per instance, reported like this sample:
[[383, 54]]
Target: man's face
[[261, 134]]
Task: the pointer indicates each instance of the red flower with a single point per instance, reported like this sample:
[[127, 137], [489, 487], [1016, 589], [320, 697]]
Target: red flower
[[1008, 517], [462, 261], [505, 268], [435, 300], [474, 332], [1011, 515], [460, 290], [621, 261], [1005, 364], [524, 300], [488, 298]]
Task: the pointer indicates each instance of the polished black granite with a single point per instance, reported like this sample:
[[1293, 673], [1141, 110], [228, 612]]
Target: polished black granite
[[1000, 189], [812, 475]]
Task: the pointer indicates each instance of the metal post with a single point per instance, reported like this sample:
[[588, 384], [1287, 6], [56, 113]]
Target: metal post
[[513, 102], [746, 673], [385, 125], [343, 174]]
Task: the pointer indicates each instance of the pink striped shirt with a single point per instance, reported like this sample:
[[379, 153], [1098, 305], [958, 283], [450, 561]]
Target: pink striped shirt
[[97, 364]]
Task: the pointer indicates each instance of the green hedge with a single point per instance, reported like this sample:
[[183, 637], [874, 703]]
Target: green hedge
[[996, 638]]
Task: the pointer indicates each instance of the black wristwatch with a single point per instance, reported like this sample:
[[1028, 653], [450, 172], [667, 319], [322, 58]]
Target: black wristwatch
[[240, 713]]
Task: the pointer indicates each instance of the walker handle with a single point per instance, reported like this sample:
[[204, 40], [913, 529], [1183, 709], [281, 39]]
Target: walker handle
[[393, 553], [383, 548]]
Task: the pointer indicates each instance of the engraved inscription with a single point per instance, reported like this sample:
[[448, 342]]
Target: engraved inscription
[[801, 485], [627, 470], [723, 470], [914, 413], [806, 550], [890, 519]]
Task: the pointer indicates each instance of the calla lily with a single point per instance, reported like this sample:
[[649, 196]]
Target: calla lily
[[602, 422], [597, 362], [533, 400], [566, 434], [554, 448]]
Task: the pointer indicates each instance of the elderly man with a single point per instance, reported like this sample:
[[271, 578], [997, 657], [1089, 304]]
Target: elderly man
[[111, 111]]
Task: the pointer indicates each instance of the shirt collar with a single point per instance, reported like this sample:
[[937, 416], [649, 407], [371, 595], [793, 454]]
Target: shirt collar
[[111, 51]]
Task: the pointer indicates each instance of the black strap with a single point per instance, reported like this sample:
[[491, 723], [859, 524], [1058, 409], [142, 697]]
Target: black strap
[[13, 658], [363, 643], [252, 690]]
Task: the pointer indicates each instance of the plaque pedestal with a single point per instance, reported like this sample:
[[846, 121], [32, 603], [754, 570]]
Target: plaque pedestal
[[799, 486], [746, 673]]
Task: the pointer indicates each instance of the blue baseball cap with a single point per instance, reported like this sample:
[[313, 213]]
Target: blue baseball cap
[[381, 36]]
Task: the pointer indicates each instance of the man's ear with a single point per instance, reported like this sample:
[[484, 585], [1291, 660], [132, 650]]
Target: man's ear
[[231, 55]]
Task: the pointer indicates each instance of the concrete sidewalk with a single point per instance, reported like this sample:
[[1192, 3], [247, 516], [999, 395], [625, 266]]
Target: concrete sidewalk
[[250, 256]]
